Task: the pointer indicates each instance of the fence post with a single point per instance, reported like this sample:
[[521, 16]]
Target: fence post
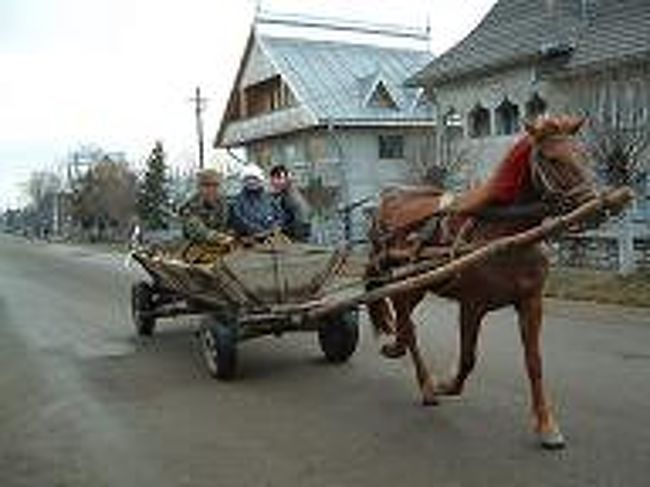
[[626, 244]]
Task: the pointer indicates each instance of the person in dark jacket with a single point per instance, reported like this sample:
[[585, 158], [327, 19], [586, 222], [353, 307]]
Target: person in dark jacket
[[294, 211], [253, 211], [205, 214]]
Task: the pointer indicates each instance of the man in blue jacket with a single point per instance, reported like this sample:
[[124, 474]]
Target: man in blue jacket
[[254, 212]]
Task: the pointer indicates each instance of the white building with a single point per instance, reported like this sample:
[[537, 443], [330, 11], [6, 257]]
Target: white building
[[337, 114]]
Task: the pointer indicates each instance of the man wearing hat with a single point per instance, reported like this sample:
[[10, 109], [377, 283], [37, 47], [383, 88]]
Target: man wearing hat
[[205, 215], [254, 212]]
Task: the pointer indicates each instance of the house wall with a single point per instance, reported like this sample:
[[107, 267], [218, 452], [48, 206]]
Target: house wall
[[622, 95], [365, 172], [366, 175], [346, 162], [620, 91], [517, 85], [356, 151]]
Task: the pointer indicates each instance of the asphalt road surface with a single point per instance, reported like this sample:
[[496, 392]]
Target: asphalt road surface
[[83, 402]]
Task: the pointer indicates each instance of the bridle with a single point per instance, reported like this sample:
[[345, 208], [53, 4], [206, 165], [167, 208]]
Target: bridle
[[546, 175]]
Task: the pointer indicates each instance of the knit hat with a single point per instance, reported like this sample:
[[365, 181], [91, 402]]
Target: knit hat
[[208, 176], [252, 171]]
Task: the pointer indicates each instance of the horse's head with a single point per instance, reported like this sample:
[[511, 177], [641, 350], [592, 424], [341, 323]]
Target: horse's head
[[559, 166]]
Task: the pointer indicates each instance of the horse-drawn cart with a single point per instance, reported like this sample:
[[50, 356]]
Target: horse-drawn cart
[[277, 287], [243, 293]]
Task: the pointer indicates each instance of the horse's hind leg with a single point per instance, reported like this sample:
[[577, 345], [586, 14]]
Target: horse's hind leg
[[471, 317], [530, 323]]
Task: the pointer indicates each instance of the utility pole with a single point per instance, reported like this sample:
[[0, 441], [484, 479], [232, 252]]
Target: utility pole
[[199, 106]]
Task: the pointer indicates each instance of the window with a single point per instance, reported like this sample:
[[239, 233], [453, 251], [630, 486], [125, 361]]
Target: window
[[234, 109], [535, 107], [479, 121], [423, 100], [452, 134], [507, 118], [391, 147], [452, 119], [267, 96], [381, 98]]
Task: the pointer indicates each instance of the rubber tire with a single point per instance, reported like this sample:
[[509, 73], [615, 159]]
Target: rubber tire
[[338, 338], [219, 346], [142, 301]]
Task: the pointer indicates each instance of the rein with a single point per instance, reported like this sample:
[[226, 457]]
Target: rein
[[547, 186]]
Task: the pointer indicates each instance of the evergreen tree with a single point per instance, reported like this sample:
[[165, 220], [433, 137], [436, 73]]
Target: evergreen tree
[[153, 198]]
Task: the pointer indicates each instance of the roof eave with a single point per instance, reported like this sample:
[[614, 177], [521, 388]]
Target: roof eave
[[373, 122], [216, 143], [450, 76], [602, 64]]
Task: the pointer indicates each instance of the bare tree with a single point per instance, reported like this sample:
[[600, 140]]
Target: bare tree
[[426, 165], [41, 184], [104, 202], [620, 150], [42, 188]]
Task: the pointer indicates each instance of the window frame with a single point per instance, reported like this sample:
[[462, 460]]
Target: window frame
[[390, 147]]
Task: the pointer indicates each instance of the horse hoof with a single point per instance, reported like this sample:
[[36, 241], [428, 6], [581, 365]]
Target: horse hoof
[[393, 350], [430, 401], [552, 440], [448, 391]]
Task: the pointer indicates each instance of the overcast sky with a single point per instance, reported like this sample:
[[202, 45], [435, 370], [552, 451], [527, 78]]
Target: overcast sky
[[119, 73]]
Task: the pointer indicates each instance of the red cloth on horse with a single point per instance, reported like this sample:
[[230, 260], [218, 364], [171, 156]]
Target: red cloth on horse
[[513, 173]]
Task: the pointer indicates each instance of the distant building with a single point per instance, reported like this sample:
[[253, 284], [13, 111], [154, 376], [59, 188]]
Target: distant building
[[337, 114]]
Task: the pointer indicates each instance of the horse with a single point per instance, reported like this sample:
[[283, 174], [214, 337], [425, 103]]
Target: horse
[[557, 179]]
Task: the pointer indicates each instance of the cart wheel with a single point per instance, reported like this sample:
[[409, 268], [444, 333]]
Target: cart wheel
[[141, 305], [338, 337], [219, 345]]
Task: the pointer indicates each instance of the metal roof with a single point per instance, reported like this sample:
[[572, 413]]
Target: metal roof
[[333, 79], [587, 32]]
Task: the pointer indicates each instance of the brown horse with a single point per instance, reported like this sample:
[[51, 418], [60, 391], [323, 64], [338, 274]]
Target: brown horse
[[559, 179]]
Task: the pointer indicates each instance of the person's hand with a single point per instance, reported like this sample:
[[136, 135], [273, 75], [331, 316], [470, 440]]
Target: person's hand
[[220, 239], [414, 243]]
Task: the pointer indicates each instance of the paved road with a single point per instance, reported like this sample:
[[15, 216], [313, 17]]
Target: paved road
[[84, 403]]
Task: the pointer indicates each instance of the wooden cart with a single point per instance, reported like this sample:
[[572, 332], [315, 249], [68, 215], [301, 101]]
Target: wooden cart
[[248, 292]]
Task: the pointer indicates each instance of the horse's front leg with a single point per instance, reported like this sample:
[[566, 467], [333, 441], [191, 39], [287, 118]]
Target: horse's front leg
[[530, 324], [407, 335], [471, 317]]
